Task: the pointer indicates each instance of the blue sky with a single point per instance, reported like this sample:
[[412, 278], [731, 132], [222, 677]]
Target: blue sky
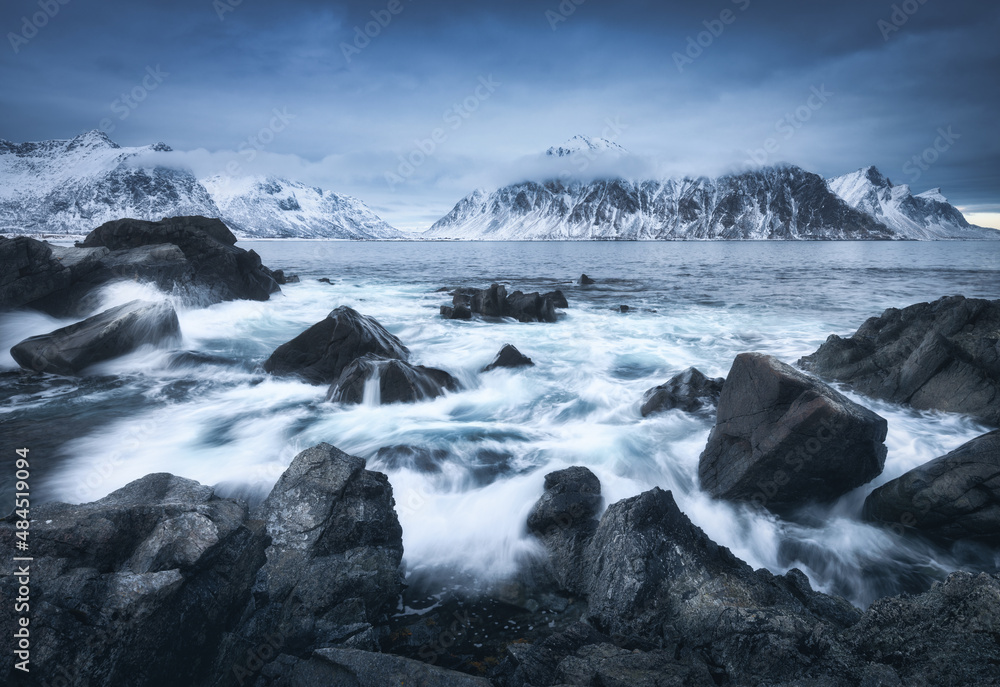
[[342, 95]]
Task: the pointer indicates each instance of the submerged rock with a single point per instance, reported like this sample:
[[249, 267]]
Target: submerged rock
[[689, 391], [111, 334], [943, 355], [495, 302], [320, 354], [953, 497], [783, 439], [509, 357], [586, 281], [398, 381], [136, 588]]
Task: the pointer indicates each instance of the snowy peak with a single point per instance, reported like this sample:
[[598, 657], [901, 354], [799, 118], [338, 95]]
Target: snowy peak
[[71, 186], [579, 144], [927, 216]]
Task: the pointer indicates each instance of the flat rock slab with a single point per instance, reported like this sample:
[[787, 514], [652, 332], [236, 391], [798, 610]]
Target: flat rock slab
[[783, 439], [110, 334]]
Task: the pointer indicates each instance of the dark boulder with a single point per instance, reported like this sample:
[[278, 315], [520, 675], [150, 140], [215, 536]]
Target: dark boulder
[[320, 354], [783, 439], [586, 281], [689, 391], [111, 334], [29, 272], [953, 497], [398, 381], [332, 574], [564, 519], [495, 302], [943, 355], [136, 588], [213, 269], [509, 357]]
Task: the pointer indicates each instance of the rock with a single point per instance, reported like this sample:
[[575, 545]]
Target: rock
[[565, 518], [136, 588], [495, 302], [689, 391], [783, 439], [943, 355], [509, 357], [953, 497], [112, 333], [529, 307], [586, 281], [398, 382], [29, 272], [281, 278], [946, 636], [213, 269], [558, 299], [623, 309], [332, 573], [355, 668], [320, 354]]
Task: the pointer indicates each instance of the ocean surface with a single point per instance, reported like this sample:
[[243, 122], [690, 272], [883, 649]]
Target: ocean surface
[[483, 451]]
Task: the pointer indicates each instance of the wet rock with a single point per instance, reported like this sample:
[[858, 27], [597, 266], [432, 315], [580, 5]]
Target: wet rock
[[623, 309], [320, 354], [689, 391], [946, 636], [586, 281], [564, 519], [943, 355], [136, 588], [783, 439], [398, 381], [281, 278], [332, 574], [953, 497], [29, 272], [213, 269], [111, 334], [495, 302], [509, 357]]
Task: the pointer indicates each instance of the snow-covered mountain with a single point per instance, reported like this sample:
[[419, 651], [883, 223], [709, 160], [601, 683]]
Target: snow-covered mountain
[[585, 145], [782, 202], [269, 207], [72, 186], [925, 216]]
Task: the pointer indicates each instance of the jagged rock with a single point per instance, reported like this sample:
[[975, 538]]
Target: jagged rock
[[108, 335], [332, 573], [946, 636], [136, 588], [953, 497], [212, 265], [943, 355], [586, 281], [495, 302], [689, 391], [508, 357], [320, 354], [29, 272], [565, 518], [398, 381], [783, 439], [355, 668]]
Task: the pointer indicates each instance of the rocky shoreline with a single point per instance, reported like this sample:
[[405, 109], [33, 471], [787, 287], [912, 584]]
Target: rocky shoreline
[[164, 582]]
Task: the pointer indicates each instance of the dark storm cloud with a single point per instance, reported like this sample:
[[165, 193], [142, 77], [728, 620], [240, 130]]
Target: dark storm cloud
[[211, 75]]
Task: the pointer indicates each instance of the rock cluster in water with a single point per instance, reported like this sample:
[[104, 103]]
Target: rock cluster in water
[[496, 302]]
